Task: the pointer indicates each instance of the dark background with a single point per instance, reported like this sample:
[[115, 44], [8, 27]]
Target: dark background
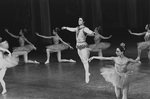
[[114, 16]]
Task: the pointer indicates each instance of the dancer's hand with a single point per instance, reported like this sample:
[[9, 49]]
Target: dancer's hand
[[37, 33], [110, 36], [90, 59], [129, 31], [6, 30], [64, 27], [9, 54], [71, 47], [34, 47]]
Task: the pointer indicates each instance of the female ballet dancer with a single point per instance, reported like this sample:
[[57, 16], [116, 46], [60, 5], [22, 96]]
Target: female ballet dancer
[[99, 46], [6, 61], [56, 47], [119, 74], [146, 43], [23, 49], [82, 47]]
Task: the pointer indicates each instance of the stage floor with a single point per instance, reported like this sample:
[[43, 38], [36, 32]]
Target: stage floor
[[66, 80]]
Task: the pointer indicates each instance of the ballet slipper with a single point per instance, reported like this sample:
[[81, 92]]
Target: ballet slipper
[[4, 91], [46, 62], [87, 79], [138, 58], [36, 62], [71, 60]]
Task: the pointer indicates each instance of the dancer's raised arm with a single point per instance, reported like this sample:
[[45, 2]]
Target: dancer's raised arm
[[138, 34], [11, 34], [47, 37]]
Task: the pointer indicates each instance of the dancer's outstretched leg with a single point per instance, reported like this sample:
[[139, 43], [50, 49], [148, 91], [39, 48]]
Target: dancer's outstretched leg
[[48, 56], [2, 74], [63, 60]]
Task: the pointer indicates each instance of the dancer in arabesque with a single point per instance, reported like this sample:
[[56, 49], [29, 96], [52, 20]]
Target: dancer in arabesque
[[119, 74], [56, 47], [23, 49]]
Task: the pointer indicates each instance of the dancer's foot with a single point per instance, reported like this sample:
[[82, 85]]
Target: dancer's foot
[[47, 62], [4, 91], [87, 79], [36, 62], [71, 60], [138, 58]]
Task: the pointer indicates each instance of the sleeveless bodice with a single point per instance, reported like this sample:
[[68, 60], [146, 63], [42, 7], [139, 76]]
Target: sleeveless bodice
[[21, 41], [147, 36], [80, 35]]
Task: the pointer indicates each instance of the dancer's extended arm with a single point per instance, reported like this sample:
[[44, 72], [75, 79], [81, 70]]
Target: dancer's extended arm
[[11, 34], [101, 58], [65, 43], [88, 31], [29, 42], [104, 37], [138, 34], [69, 29], [47, 37]]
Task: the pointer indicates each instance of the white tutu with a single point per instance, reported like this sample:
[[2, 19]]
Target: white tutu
[[8, 62], [26, 48], [110, 74], [97, 47], [57, 47]]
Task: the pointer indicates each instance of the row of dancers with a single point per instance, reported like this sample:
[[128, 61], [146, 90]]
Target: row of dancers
[[117, 74]]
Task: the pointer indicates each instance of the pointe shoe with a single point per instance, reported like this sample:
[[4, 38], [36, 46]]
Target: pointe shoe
[[71, 60], [36, 62], [87, 79], [138, 58], [46, 62], [4, 91]]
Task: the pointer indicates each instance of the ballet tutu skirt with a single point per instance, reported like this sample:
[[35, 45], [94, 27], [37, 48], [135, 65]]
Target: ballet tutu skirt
[[110, 74], [26, 48], [8, 61], [97, 47], [57, 47]]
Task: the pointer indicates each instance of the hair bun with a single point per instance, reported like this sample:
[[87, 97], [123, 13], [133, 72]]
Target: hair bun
[[122, 44], [57, 29]]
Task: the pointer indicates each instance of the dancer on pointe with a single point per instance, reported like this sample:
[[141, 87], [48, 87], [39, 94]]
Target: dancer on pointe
[[99, 46], [56, 47], [23, 49], [83, 51], [6, 61], [119, 74], [145, 44]]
